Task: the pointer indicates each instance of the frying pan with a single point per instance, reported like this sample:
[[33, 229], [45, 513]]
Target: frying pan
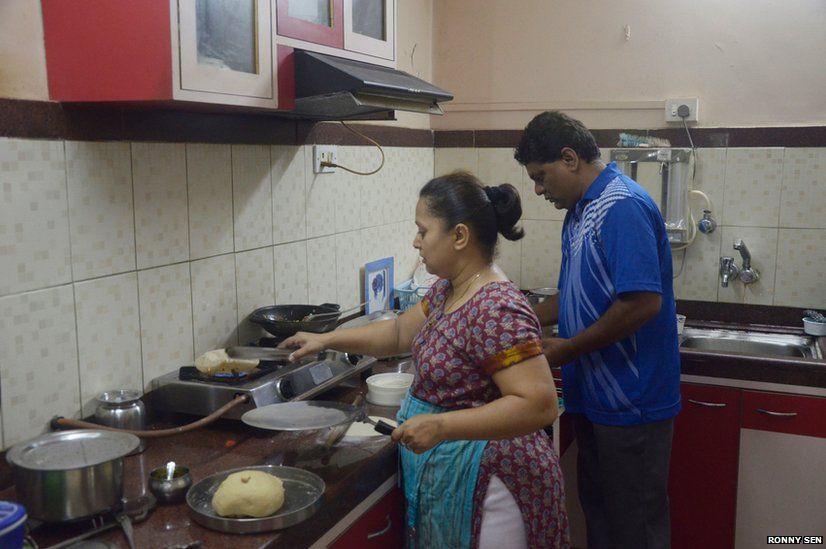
[[286, 320]]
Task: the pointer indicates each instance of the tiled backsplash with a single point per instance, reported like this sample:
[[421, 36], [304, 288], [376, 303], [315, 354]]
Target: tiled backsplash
[[120, 262], [772, 198]]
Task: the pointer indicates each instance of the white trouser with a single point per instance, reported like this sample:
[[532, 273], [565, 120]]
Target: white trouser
[[502, 524]]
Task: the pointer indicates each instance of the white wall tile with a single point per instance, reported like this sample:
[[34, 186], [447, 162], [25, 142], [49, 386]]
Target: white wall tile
[[321, 270], [803, 198], [509, 258], [710, 180], [752, 187], [256, 288], [762, 244], [38, 361], [322, 192], [289, 204], [252, 196], [700, 278], [349, 262], [406, 256], [108, 334], [290, 265], [161, 224], [101, 215], [209, 184], [452, 159], [800, 263], [34, 216], [541, 254], [166, 320], [497, 166], [349, 188], [214, 303]]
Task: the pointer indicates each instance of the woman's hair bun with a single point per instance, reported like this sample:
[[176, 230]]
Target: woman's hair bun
[[508, 207]]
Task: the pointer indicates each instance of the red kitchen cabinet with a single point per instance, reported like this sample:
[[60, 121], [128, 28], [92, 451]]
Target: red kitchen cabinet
[[703, 474], [364, 30], [319, 22], [154, 51], [381, 527], [781, 486]]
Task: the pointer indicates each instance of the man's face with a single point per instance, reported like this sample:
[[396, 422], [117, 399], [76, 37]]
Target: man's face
[[555, 182]]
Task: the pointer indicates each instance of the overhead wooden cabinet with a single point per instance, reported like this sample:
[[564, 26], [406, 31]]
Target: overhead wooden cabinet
[[203, 51]]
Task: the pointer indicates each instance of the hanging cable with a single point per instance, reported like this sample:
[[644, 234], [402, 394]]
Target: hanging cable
[[334, 165]]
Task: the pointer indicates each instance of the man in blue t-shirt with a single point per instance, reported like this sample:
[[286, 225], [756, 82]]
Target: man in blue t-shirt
[[617, 343]]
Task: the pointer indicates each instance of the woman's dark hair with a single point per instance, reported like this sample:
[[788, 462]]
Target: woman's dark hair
[[459, 197], [548, 133]]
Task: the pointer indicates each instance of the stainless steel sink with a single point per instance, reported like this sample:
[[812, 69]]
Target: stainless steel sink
[[750, 343]]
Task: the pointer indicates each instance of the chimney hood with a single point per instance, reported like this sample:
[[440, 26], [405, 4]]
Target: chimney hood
[[332, 88]]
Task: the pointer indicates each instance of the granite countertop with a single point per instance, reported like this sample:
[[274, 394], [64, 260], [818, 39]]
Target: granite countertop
[[352, 470]]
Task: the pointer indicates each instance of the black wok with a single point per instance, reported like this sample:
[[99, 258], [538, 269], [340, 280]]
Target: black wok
[[286, 320]]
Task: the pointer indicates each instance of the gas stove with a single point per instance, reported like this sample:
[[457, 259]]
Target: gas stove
[[189, 391]]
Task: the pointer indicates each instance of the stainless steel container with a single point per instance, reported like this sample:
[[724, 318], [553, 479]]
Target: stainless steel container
[[69, 475], [122, 409]]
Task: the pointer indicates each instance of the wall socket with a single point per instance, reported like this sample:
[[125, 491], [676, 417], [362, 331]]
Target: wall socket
[[324, 153], [671, 106]]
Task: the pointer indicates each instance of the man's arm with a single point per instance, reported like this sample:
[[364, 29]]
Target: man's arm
[[548, 311], [628, 313]]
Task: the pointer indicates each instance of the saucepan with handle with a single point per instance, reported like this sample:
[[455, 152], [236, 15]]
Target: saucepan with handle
[[286, 320]]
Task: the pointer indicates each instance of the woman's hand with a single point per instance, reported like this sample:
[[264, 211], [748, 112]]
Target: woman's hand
[[304, 343], [420, 433]]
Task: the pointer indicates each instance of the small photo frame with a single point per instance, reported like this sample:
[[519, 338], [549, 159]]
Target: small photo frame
[[378, 285]]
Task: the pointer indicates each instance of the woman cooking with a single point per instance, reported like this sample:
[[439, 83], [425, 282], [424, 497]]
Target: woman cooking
[[478, 470]]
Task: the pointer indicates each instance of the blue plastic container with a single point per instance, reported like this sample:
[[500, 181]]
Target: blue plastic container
[[12, 525]]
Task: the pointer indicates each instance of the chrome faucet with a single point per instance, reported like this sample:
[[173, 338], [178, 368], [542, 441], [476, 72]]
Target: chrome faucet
[[747, 273], [728, 270]]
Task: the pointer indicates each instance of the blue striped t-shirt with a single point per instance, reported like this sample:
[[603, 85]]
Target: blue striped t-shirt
[[614, 241]]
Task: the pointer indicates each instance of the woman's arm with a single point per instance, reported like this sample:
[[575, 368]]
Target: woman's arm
[[386, 338], [528, 403]]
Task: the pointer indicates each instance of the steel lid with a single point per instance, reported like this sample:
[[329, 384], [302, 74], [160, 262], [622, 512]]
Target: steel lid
[[75, 449]]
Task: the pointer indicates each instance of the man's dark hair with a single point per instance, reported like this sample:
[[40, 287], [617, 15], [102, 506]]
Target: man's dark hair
[[548, 133]]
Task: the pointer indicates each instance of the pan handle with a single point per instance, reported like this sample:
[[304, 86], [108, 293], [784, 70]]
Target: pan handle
[[384, 428], [335, 306]]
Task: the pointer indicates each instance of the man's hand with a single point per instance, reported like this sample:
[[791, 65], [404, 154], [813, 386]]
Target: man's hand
[[558, 351]]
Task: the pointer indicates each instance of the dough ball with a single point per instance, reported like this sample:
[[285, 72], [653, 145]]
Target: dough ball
[[217, 361], [249, 494]]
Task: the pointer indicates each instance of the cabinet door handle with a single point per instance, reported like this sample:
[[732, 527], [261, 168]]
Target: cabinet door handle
[[707, 404], [777, 414], [383, 530]]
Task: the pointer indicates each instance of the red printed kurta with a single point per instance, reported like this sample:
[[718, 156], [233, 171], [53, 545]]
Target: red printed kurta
[[456, 354]]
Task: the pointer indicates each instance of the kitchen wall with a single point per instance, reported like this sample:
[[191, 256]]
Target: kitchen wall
[[772, 198], [122, 261], [751, 62]]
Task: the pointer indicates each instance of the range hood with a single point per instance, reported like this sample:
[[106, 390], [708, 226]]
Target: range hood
[[333, 88]]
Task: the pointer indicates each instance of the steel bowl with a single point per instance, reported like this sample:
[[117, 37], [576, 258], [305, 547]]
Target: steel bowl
[[170, 490]]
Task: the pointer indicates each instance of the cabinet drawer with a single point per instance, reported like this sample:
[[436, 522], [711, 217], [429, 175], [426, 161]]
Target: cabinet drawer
[[796, 415], [381, 527]]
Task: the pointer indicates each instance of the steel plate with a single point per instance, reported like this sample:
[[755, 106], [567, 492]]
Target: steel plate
[[301, 415], [302, 498]]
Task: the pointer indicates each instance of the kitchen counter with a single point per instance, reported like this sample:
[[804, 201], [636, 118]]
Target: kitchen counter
[[351, 470]]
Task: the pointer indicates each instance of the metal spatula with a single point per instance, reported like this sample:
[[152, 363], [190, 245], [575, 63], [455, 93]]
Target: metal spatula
[[337, 433]]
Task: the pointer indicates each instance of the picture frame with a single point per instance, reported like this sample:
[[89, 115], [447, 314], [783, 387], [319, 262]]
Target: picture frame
[[378, 285]]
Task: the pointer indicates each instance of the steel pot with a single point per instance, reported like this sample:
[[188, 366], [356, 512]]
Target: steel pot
[[286, 320], [122, 409], [69, 475]]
